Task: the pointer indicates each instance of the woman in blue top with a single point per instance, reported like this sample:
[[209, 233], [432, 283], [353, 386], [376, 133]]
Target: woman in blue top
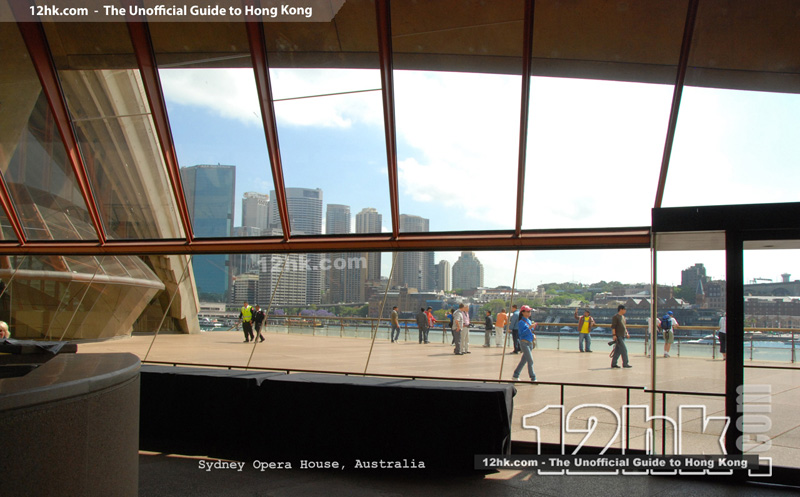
[[526, 337]]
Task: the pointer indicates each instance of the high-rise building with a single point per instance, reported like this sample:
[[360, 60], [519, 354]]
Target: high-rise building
[[342, 271], [282, 278], [337, 219], [255, 210], [369, 221], [209, 191], [690, 278], [245, 289], [245, 263], [414, 269], [467, 272], [443, 276], [305, 218]]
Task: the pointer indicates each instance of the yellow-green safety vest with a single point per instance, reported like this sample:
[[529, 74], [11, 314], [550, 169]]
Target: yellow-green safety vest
[[246, 313]]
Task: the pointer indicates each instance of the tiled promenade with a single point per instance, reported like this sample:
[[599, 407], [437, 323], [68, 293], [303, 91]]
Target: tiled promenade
[[332, 353]]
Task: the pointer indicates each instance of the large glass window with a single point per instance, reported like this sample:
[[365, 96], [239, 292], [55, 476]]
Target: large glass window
[[110, 114], [210, 91], [33, 161], [594, 147], [329, 108], [735, 138], [458, 124], [771, 320]]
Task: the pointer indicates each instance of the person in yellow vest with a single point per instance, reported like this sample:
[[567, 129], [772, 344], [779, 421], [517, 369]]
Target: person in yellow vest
[[585, 325], [246, 316]]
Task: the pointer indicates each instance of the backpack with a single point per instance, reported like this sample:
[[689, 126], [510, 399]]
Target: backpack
[[666, 322]]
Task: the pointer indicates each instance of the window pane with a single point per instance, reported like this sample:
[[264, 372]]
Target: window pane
[[599, 112], [735, 141], [33, 161], [458, 126], [217, 129], [771, 319], [112, 121]]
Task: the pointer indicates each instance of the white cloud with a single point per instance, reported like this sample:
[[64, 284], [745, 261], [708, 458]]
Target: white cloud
[[229, 93]]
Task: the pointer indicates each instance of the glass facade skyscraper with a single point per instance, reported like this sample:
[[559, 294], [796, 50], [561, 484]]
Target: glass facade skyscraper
[[209, 191]]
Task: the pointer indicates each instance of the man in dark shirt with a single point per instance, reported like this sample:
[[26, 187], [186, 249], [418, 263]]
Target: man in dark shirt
[[620, 331], [422, 325], [258, 321]]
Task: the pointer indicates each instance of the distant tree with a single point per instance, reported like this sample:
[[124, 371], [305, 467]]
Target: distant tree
[[685, 293], [440, 314]]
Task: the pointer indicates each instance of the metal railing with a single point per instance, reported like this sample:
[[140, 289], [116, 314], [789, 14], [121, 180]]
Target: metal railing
[[768, 344]]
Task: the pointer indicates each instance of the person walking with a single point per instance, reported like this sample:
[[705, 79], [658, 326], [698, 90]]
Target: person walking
[[394, 319], [620, 333], [513, 322], [585, 325], [258, 320], [458, 328], [526, 338], [465, 330], [488, 327], [500, 326], [723, 337]]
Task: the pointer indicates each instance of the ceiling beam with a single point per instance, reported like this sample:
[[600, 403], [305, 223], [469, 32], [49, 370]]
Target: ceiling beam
[[384, 21], [36, 42], [527, 72], [148, 68], [683, 62], [378, 242], [258, 53]]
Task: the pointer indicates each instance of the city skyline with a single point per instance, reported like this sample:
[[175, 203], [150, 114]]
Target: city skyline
[[715, 128]]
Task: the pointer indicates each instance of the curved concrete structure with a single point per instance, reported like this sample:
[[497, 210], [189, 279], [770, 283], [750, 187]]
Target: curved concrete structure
[[71, 427]]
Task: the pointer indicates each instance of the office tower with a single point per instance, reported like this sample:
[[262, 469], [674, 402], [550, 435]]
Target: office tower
[[209, 191], [467, 272], [305, 218], [288, 275], [414, 269], [369, 221], [245, 263], [443, 276], [342, 274], [337, 219], [255, 210], [245, 289]]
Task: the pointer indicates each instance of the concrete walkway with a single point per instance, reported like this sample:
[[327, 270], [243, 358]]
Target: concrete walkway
[[553, 368]]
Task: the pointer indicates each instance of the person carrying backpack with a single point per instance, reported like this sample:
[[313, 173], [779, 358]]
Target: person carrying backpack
[[668, 325]]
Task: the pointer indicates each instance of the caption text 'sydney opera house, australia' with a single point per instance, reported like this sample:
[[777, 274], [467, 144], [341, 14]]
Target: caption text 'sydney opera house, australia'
[[602, 132]]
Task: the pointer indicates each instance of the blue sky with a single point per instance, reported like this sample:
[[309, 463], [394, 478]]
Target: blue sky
[[594, 152]]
